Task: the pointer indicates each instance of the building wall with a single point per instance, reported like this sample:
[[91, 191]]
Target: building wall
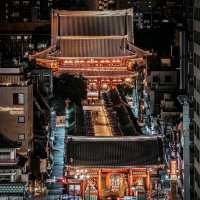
[[196, 28], [161, 83], [9, 114]]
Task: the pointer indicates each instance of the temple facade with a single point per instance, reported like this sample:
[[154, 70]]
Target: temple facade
[[98, 45], [120, 167]]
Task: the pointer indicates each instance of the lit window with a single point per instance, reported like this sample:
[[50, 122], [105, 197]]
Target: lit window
[[15, 14], [19, 37], [26, 3], [26, 37], [16, 2], [18, 98], [20, 119], [21, 137]]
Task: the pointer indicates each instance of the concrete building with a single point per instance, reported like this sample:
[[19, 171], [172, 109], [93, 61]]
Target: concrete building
[[23, 11], [163, 82], [16, 107], [17, 39], [107, 4], [13, 170], [196, 64]]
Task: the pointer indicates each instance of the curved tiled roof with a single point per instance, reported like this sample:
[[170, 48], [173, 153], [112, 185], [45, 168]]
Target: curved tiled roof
[[93, 47], [115, 153]]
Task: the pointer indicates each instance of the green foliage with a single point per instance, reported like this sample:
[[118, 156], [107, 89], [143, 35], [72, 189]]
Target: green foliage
[[125, 90], [70, 87], [122, 115]]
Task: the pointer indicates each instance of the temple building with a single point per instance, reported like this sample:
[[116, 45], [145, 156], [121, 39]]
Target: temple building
[[96, 44], [112, 158], [101, 167]]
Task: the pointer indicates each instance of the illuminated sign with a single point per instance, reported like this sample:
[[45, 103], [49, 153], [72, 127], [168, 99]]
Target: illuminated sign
[[12, 110], [173, 168]]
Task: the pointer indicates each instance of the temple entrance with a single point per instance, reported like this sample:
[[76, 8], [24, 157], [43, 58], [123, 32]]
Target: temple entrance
[[91, 192]]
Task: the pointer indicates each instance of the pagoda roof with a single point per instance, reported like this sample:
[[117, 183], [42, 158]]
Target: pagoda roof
[[93, 12], [114, 151], [93, 47], [8, 143]]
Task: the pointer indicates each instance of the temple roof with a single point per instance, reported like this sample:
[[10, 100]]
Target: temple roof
[[5, 142], [93, 13], [114, 152], [89, 73], [93, 47]]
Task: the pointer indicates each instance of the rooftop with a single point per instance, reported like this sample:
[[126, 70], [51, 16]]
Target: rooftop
[[114, 152]]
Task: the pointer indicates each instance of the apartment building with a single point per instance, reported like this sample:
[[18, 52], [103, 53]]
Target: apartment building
[[196, 64], [16, 107]]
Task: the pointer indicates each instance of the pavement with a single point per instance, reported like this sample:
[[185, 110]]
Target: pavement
[[101, 124], [100, 121], [55, 190]]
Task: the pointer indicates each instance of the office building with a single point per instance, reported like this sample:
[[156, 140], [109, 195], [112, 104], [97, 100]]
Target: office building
[[196, 64], [23, 10]]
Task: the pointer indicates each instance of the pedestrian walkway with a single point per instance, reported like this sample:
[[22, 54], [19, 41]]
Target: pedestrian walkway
[[55, 189], [101, 125], [99, 119]]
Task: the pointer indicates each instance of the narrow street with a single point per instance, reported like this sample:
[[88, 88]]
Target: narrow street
[[100, 121], [101, 125], [55, 189]]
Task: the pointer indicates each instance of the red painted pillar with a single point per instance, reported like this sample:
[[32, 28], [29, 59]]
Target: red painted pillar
[[99, 185], [130, 182], [99, 87], [148, 184]]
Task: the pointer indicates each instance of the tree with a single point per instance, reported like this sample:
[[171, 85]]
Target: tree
[[70, 87]]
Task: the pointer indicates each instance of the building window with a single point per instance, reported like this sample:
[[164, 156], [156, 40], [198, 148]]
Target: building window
[[168, 79], [20, 119], [21, 137], [4, 155], [155, 79], [18, 98]]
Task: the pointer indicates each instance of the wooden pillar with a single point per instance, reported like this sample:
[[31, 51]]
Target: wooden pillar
[[99, 87], [148, 185], [108, 180], [82, 185], [99, 185], [130, 183]]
